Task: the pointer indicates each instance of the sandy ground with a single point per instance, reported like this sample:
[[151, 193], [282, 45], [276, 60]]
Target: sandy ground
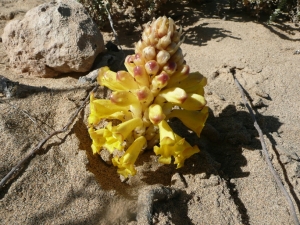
[[228, 182]]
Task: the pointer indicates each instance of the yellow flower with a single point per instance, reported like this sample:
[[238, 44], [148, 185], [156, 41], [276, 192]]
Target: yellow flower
[[183, 151], [112, 137], [172, 144], [121, 80], [144, 98], [103, 108], [125, 164], [195, 120]]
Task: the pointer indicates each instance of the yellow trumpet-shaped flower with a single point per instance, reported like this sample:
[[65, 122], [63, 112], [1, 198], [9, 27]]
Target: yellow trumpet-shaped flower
[[194, 84], [98, 139], [195, 120], [122, 131], [172, 144], [174, 95], [193, 102], [103, 108], [121, 80], [183, 151], [125, 164], [127, 99], [112, 137]]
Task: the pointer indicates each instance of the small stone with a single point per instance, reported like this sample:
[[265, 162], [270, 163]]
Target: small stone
[[285, 159], [261, 93]]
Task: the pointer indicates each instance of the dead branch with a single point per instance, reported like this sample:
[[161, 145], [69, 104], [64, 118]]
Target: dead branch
[[266, 154], [146, 199], [17, 168]]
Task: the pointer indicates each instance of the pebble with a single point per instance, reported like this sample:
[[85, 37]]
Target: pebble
[[262, 93]]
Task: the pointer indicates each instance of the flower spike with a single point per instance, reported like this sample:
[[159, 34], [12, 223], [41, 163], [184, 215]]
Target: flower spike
[[157, 86]]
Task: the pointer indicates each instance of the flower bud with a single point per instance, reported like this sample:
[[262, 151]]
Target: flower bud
[[140, 45], [174, 95], [156, 114], [129, 64], [138, 59], [159, 82], [162, 57], [141, 76], [152, 67], [163, 29], [164, 42], [126, 80], [170, 67], [149, 53], [193, 102]]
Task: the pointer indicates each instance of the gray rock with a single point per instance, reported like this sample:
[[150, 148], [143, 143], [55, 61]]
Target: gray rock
[[53, 38]]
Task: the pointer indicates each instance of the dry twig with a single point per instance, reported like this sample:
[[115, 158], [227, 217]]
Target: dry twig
[[266, 154], [114, 31], [20, 164]]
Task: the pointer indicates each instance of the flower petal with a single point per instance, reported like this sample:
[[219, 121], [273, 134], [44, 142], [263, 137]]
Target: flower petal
[[174, 95], [141, 76], [116, 81], [122, 131], [125, 164], [194, 83], [167, 141], [195, 120], [103, 108], [193, 102]]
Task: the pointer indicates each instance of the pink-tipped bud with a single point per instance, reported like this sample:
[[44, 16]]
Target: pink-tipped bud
[[174, 95], [185, 69], [149, 53], [144, 96], [141, 75], [159, 82], [123, 98], [138, 60], [152, 67], [170, 67], [156, 114], [141, 94], [162, 78], [162, 57], [129, 59]]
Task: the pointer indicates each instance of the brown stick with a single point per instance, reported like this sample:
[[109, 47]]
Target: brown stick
[[19, 165], [266, 154]]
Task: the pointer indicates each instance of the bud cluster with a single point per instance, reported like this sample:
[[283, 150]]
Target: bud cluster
[[144, 98]]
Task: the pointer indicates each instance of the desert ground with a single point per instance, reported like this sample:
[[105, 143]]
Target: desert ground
[[228, 182]]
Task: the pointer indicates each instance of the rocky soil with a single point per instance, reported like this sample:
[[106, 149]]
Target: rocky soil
[[228, 182]]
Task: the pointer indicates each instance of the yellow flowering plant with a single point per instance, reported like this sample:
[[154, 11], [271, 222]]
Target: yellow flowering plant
[[157, 86]]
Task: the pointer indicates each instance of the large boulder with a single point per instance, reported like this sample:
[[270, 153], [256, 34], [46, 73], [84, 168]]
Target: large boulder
[[53, 38]]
